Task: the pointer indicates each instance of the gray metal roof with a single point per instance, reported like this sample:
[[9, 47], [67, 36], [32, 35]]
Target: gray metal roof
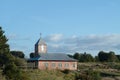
[[55, 56]]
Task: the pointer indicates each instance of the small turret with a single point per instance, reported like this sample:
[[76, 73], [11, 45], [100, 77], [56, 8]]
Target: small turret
[[40, 46]]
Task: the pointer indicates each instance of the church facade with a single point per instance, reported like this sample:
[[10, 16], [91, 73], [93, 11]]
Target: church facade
[[44, 60]]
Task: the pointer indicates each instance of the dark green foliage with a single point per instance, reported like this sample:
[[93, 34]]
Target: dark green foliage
[[19, 54], [83, 57], [71, 56], [20, 62], [88, 75], [86, 58], [8, 62], [118, 56], [102, 57], [93, 75], [66, 71], [112, 57], [107, 57], [4, 49], [12, 72], [76, 56], [32, 55], [96, 59]]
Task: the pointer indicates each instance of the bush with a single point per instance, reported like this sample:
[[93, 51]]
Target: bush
[[94, 75], [66, 71], [69, 76], [12, 72], [89, 75]]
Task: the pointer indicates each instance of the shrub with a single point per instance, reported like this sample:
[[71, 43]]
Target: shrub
[[88, 75], [66, 71], [12, 72]]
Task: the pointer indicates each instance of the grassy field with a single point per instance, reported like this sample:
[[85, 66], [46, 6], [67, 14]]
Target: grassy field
[[86, 71], [107, 70], [50, 75]]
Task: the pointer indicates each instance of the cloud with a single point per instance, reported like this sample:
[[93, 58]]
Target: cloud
[[17, 37], [54, 38], [60, 43]]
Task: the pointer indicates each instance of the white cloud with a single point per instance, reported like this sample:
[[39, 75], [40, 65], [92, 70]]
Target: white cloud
[[58, 43], [79, 43], [17, 37], [54, 37], [55, 45]]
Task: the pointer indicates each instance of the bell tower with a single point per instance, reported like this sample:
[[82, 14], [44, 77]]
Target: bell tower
[[40, 46]]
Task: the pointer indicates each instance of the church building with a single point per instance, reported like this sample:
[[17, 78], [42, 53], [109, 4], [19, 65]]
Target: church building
[[44, 60]]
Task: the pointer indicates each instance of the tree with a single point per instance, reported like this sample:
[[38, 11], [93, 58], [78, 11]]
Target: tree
[[5, 57], [118, 56], [76, 56], [32, 55], [96, 59], [86, 58], [107, 57], [10, 70], [71, 56], [20, 62], [103, 56], [83, 57], [19, 54], [112, 57]]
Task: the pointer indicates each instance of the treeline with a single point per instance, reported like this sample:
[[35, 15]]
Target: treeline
[[101, 57]]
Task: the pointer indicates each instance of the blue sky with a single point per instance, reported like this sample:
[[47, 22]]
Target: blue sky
[[66, 25]]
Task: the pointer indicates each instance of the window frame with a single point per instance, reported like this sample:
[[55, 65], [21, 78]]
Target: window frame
[[66, 65], [53, 65], [60, 65]]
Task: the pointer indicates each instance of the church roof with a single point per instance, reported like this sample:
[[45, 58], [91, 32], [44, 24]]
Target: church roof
[[40, 42], [54, 56]]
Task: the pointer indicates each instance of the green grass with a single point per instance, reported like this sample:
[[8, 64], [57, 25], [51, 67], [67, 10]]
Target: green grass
[[105, 70], [50, 75]]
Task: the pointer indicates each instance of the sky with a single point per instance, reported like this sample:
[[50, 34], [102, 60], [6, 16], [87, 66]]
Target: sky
[[67, 26]]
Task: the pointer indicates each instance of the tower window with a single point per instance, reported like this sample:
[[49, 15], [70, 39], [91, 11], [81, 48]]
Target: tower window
[[42, 47]]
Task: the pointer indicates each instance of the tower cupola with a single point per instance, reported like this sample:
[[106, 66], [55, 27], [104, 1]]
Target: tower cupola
[[40, 46]]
